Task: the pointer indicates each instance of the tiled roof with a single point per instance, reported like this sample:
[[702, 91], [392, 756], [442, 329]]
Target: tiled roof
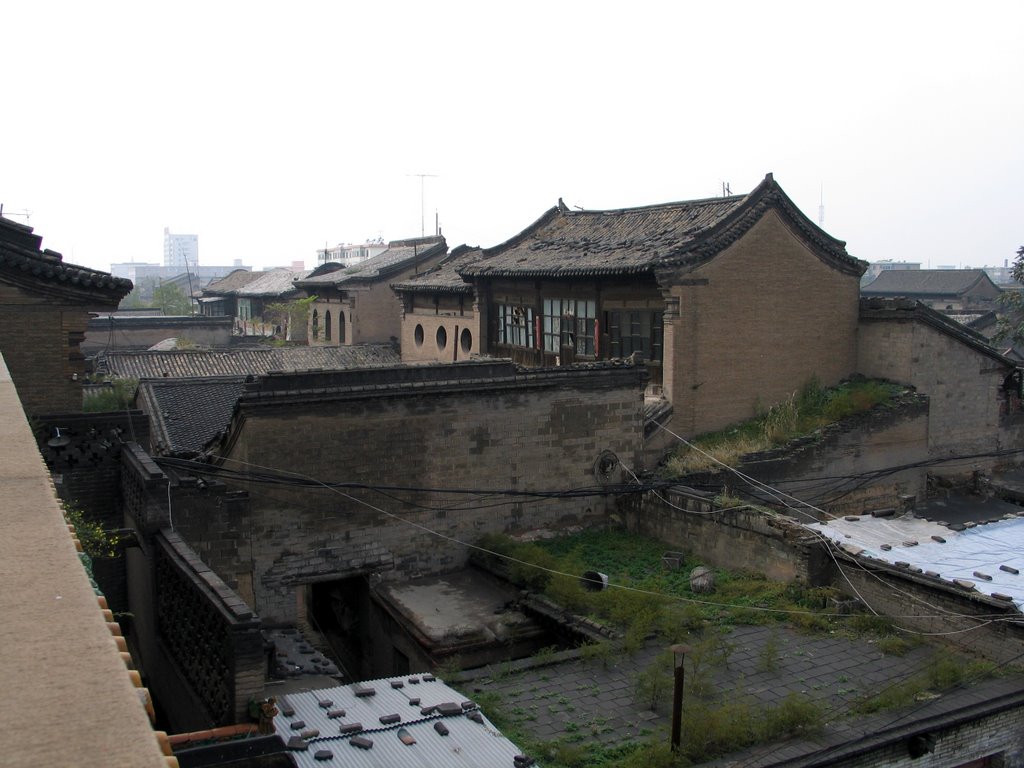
[[186, 414], [244, 362], [409, 720], [444, 278], [927, 282], [276, 282], [399, 255], [25, 264], [566, 243], [230, 283]]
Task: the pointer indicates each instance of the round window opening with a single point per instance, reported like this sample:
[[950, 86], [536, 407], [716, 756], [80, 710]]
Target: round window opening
[[418, 335], [466, 340], [442, 338]]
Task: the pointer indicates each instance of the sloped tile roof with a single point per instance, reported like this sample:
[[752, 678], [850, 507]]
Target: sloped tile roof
[[24, 263], [444, 278], [231, 282], [186, 414], [440, 727], [399, 255], [566, 243], [244, 362], [927, 282], [276, 282]]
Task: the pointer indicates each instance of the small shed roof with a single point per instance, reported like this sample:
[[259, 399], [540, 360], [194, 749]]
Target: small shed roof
[[973, 558], [409, 720], [186, 414]]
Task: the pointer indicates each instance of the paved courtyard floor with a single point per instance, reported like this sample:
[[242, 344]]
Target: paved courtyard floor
[[595, 702]]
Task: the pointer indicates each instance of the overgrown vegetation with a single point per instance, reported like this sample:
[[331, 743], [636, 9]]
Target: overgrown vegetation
[[289, 315], [801, 414], [648, 597], [96, 540], [113, 395], [945, 671], [708, 731], [657, 601]]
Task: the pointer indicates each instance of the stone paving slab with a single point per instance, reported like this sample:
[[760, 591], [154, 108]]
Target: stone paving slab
[[590, 702]]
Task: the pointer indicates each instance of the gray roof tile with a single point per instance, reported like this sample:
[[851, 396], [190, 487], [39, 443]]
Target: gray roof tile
[[244, 362], [24, 261], [185, 414], [399, 255], [926, 282], [566, 243], [444, 277]]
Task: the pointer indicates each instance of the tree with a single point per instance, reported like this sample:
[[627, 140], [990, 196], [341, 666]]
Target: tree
[[289, 314], [172, 300], [1010, 326]]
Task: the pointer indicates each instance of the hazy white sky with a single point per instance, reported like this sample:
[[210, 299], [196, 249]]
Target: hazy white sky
[[269, 129]]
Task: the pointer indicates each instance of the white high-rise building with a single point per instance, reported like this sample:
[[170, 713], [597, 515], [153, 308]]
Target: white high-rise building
[[180, 250]]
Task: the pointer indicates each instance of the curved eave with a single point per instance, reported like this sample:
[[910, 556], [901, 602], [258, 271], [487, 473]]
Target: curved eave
[[515, 240], [66, 284], [768, 195], [567, 272], [406, 288]]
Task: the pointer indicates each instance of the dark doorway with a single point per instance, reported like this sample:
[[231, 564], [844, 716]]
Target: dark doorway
[[339, 611]]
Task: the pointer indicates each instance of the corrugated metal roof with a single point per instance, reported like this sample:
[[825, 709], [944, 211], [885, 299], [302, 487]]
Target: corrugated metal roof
[[959, 554], [179, 364], [468, 744]]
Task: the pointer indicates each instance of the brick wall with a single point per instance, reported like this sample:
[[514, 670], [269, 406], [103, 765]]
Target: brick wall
[[195, 637], [968, 408], [493, 428], [960, 736], [39, 343], [373, 311], [834, 470], [459, 321], [120, 333], [929, 605], [87, 475], [753, 325], [745, 539]]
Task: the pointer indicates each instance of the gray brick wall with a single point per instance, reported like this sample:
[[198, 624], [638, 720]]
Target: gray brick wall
[[539, 431]]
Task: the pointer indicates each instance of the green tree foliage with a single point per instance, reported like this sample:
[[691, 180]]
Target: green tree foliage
[[172, 300], [289, 314], [1010, 327], [115, 395]]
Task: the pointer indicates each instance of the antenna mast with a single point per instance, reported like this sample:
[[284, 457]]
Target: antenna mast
[[423, 220], [821, 207]]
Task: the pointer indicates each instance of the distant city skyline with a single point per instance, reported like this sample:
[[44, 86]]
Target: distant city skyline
[[903, 120]]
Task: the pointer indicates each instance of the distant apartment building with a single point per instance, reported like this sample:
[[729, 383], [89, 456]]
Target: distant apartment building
[[180, 250], [350, 255]]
